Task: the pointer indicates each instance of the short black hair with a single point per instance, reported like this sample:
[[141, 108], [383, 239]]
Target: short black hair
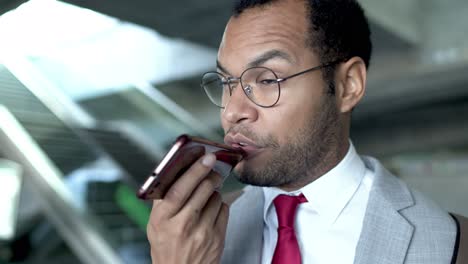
[[339, 30]]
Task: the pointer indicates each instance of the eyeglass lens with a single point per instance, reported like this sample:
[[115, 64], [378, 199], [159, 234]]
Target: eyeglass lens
[[259, 84]]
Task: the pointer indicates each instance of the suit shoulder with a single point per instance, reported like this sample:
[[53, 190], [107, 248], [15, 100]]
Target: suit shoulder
[[404, 198], [433, 230], [427, 215]]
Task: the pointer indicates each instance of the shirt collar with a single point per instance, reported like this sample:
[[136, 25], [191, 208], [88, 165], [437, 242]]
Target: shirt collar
[[329, 194]]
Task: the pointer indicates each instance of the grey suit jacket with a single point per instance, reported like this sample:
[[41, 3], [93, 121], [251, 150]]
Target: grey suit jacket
[[400, 226]]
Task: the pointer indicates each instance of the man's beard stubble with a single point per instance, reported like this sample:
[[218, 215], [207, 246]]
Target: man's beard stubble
[[303, 159]]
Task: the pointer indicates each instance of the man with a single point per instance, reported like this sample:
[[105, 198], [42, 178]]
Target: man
[[289, 74]]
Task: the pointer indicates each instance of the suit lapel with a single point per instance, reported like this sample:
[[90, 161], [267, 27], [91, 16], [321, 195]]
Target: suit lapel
[[244, 235], [386, 234]]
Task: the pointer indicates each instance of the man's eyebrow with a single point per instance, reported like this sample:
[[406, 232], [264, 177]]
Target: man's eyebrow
[[219, 66], [272, 54], [260, 60]]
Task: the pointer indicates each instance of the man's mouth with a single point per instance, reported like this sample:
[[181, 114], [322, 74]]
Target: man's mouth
[[243, 142]]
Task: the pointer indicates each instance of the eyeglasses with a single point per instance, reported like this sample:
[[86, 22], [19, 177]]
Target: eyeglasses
[[260, 84]]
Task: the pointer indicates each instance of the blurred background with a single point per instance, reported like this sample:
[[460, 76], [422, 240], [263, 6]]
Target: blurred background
[[93, 93]]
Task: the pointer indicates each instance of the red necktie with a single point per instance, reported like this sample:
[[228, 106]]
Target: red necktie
[[287, 249]]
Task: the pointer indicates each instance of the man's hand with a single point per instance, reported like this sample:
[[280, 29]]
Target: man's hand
[[189, 224]]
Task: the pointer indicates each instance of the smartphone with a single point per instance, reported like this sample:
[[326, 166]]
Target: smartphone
[[185, 151]]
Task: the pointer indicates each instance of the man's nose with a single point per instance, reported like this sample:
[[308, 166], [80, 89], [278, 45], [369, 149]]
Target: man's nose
[[239, 108]]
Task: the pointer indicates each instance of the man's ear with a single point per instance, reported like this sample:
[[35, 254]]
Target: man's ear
[[350, 78]]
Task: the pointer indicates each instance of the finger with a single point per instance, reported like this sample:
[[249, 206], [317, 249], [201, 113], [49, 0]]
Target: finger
[[201, 195], [158, 212], [211, 209], [183, 188], [222, 219], [154, 220]]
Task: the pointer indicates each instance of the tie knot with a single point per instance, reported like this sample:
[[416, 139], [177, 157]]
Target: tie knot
[[286, 206]]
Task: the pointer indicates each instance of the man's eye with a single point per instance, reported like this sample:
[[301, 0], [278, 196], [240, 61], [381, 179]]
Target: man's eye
[[268, 81]]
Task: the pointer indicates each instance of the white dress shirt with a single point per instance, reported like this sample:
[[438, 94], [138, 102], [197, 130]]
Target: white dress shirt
[[328, 226]]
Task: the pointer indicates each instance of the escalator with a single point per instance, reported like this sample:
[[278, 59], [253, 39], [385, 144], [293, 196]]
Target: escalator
[[67, 149]]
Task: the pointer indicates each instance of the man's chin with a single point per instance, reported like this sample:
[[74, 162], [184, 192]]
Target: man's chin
[[241, 170], [249, 173], [252, 162]]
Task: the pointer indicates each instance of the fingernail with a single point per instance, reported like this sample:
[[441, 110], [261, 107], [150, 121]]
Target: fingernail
[[219, 184], [209, 160], [219, 187]]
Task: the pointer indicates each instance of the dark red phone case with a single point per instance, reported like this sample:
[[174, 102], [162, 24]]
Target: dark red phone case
[[185, 151]]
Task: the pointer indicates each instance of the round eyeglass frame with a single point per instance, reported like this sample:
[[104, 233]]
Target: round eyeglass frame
[[231, 80]]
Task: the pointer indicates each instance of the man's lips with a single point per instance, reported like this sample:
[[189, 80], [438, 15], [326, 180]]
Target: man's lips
[[241, 141]]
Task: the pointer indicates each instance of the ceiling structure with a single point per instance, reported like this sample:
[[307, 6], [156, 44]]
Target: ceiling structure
[[426, 39], [7, 5]]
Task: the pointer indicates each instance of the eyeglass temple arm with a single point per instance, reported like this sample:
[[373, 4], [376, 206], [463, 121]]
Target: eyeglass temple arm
[[309, 70]]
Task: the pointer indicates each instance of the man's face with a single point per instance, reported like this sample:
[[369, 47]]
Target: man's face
[[288, 141]]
